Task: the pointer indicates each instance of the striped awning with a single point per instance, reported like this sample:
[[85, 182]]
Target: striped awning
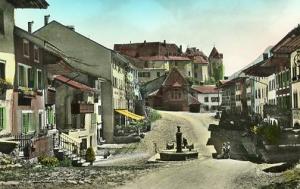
[[130, 114]]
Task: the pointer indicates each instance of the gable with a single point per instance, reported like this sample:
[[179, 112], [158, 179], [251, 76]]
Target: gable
[[84, 54], [175, 79]]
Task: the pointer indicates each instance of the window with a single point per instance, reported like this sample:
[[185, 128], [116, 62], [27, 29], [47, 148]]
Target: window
[[50, 116], [2, 118], [41, 124], [36, 53], [206, 99], [2, 22], [158, 74], [295, 100], [25, 76], [195, 66], [27, 125], [189, 73], [26, 48], [195, 75], [214, 99], [93, 120], [2, 70], [176, 94], [39, 79], [146, 65]]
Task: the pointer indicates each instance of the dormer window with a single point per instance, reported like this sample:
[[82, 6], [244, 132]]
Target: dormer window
[[36, 52], [26, 48]]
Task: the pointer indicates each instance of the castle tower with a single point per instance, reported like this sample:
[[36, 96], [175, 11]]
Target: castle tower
[[215, 65]]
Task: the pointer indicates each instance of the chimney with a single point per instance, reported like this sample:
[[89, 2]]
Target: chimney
[[46, 19], [225, 77], [145, 41], [265, 56], [180, 47], [30, 27], [164, 42], [71, 27]]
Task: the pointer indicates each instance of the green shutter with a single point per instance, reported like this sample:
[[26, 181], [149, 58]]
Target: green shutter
[[1, 118], [25, 123], [4, 118], [31, 123]]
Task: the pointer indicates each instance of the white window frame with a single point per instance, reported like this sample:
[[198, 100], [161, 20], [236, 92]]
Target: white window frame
[[43, 118], [37, 78], [26, 112], [36, 48], [27, 43], [26, 74]]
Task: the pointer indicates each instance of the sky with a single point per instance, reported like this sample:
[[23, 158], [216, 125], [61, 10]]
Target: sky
[[240, 29]]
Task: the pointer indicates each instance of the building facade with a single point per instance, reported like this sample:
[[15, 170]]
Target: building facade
[[209, 96]]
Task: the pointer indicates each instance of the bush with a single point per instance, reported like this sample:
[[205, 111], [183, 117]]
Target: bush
[[154, 115], [48, 161], [66, 162], [90, 155], [270, 132]]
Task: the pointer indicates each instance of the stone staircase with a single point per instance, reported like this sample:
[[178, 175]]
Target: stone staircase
[[69, 147]]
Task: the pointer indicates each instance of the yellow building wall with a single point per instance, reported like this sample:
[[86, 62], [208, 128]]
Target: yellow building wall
[[9, 60]]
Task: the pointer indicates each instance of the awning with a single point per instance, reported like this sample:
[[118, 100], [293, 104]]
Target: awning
[[73, 83], [130, 114]]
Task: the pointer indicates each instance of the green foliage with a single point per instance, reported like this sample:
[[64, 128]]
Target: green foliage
[[218, 71], [192, 81], [4, 85], [270, 132], [48, 161], [154, 115], [90, 155], [66, 162], [210, 81]]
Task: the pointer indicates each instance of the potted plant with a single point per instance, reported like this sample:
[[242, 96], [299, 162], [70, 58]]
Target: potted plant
[[90, 155]]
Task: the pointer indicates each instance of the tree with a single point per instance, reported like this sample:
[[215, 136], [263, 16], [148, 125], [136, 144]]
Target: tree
[[90, 155]]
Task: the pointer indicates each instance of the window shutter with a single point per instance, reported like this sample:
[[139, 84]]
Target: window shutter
[[25, 123], [4, 118]]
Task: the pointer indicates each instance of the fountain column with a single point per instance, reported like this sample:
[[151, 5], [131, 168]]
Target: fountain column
[[178, 140]]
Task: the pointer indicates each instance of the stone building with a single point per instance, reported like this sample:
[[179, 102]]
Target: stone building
[[209, 96], [215, 66], [93, 59], [8, 67], [156, 58], [199, 64], [173, 94]]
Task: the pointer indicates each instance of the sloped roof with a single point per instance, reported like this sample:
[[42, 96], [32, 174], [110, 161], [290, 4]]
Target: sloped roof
[[192, 100], [42, 4], [163, 58], [173, 77], [288, 43], [215, 54], [205, 89], [148, 49], [73, 83]]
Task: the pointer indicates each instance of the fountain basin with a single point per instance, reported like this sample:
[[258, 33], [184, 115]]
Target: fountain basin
[[172, 155]]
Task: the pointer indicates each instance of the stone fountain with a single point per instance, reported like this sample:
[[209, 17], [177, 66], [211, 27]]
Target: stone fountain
[[180, 153]]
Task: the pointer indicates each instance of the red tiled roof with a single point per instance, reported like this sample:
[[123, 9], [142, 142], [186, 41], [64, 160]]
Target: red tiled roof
[[164, 58], [200, 60], [73, 83], [148, 49], [192, 100], [206, 89]]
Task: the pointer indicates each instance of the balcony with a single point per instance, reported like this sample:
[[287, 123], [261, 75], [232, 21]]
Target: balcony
[[50, 96], [79, 108]]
